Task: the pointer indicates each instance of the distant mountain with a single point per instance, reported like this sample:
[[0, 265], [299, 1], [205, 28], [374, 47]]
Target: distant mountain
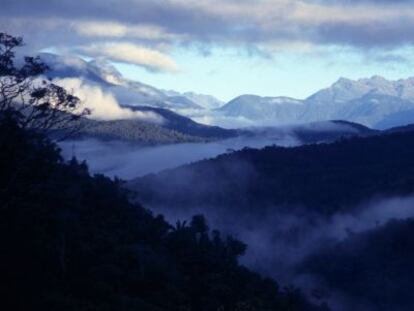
[[345, 90], [263, 108], [127, 92], [374, 102], [205, 101], [367, 101], [397, 119]]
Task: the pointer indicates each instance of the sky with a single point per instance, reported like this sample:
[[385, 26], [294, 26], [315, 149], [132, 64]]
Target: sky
[[226, 47]]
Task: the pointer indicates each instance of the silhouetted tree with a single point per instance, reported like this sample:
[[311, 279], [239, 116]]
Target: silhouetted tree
[[36, 103]]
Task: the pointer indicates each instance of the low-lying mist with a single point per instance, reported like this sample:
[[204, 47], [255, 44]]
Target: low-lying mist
[[280, 242], [127, 160]]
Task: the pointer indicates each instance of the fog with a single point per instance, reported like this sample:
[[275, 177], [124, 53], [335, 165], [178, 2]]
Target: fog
[[279, 239], [128, 160], [280, 242]]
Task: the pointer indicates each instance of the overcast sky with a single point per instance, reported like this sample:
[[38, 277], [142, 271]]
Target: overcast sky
[[226, 47]]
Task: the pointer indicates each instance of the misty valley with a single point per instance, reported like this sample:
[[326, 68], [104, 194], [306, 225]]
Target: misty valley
[[119, 195], [296, 195]]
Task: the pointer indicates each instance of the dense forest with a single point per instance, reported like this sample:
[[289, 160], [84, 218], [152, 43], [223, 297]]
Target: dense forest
[[169, 129], [70, 241], [323, 178]]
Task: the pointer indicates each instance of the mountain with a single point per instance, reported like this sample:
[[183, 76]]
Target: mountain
[[206, 101], [171, 128], [263, 109], [374, 102], [345, 90], [367, 101], [127, 92], [164, 126], [397, 119]]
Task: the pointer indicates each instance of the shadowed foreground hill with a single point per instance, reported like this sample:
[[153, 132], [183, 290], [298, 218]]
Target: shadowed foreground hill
[[324, 178], [69, 241]]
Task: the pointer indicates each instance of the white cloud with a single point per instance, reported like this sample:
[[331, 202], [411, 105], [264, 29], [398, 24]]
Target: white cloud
[[104, 105], [130, 53], [110, 29]]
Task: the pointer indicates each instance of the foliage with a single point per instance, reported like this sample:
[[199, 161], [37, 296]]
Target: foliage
[[70, 241], [322, 178], [40, 104]]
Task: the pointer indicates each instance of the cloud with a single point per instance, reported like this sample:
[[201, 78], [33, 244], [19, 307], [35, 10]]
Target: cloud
[[104, 106], [113, 29], [130, 53], [274, 24]]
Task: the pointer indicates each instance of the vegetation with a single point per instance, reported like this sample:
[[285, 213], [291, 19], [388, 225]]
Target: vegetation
[[39, 104], [134, 131], [372, 267], [172, 128], [322, 178], [70, 241]]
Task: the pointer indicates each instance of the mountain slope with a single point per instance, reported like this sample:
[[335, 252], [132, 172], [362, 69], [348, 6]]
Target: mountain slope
[[366, 101], [171, 128], [126, 91], [263, 108], [325, 178], [73, 242]]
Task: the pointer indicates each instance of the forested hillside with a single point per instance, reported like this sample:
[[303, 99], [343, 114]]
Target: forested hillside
[[169, 128], [70, 241], [324, 178]]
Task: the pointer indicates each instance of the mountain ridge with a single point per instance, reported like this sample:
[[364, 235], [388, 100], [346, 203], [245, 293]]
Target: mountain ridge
[[346, 99]]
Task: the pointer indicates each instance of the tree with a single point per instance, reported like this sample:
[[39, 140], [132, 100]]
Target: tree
[[36, 103]]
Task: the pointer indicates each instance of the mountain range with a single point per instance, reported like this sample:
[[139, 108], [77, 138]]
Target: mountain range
[[375, 102]]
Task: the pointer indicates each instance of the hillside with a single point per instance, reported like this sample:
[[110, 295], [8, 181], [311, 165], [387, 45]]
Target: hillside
[[323, 178], [168, 128], [74, 242], [308, 213]]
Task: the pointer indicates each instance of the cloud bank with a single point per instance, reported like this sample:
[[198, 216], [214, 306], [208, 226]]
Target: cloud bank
[[103, 105], [143, 32]]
